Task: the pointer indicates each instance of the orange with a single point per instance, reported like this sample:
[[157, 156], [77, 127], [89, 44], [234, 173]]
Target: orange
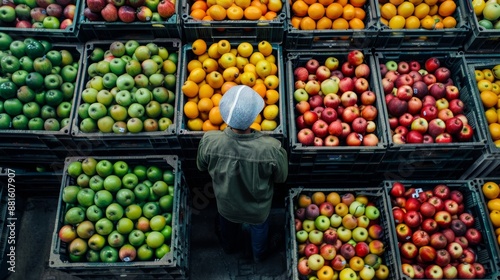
[[479, 75], [333, 198], [340, 23], [274, 6], [494, 204], [216, 98], [495, 88], [249, 68], [260, 88], [438, 25], [190, 88], [265, 48], [198, 13], [406, 9], [447, 8], [197, 75], [214, 116], [199, 47], [207, 125], [271, 96], [334, 11], [412, 22], [484, 84], [495, 218], [342, 2], [431, 2], [449, 22], [210, 65], [488, 75], [325, 2], [489, 98], [307, 23], [256, 57], [497, 231], [384, 21], [252, 13], [270, 15], [226, 86], [215, 79], [491, 115], [359, 13], [494, 129], [357, 3], [270, 112], [205, 91], [324, 23], [217, 12], [295, 22], [318, 197], [192, 64], [199, 4], [191, 109], [427, 23], [316, 11], [205, 105], [490, 190], [203, 116], [260, 5], [258, 119], [299, 8], [421, 10], [309, 2], [194, 124], [235, 13], [433, 10], [397, 22], [356, 23], [271, 82], [396, 2], [348, 12], [388, 11]]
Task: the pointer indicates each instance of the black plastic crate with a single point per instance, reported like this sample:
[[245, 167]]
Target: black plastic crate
[[189, 140], [478, 183], [485, 166], [302, 174], [436, 154], [341, 157], [245, 30], [420, 39], [41, 140], [485, 254], [103, 30], [374, 194], [174, 265], [331, 39], [480, 39], [70, 34], [131, 143]]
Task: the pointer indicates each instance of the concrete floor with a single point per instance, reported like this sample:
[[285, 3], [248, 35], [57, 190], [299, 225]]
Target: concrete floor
[[206, 259]]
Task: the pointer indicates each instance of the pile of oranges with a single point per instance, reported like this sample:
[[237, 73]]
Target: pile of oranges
[[218, 67], [491, 192], [217, 10], [328, 14], [489, 92], [414, 14]]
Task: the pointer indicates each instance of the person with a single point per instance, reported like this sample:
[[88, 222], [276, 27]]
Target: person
[[243, 164]]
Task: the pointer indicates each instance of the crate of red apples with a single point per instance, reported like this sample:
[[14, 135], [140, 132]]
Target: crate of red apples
[[336, 110], [339, 233], [441, 230], [430, 111]]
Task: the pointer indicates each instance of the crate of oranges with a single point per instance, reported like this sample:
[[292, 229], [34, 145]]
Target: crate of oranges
[[427, 24], [249, 20], [489, 192], [329, 24], [210, 69], [484, 18]]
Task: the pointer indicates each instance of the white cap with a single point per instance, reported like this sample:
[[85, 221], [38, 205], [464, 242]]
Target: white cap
[[239, 106]]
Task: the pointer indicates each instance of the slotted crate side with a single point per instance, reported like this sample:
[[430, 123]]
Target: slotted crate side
[[189, 139], [99, 142], [439, 152], [174, 265], [69, 35], [36, 140], [343, 156], [102, 30], [245, 30], [331, 39], [374, 195], [486, 254], [420, 39]]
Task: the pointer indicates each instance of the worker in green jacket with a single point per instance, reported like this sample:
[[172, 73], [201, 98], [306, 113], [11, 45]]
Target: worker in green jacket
[[244, 164]]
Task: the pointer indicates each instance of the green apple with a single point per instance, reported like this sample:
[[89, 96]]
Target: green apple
[[52, 124], [149, 67], [85, 197], [102, 67], [96, 242], [160, 188], [133, 211], [96, 183], [105, 124], [74, 215], [141, 192], [167, 110], [130, 47], [88, 125], [78, 247], [136, 238], [117, 49], [35, 124], [19, 77], [92, 70], [155, 239], [92, 256], [94, 213], [120, 168], [125, 82], [31, 110], [157, 223], [8, 89], [154, 173], [136, 110], [129, 181], [34, 80], [25, 94], [167, 232], [69, 73], [83, 180], [140, 171], [104, 168], [97, 83], [166, 203], [97, 54], [5, 121], [89, 95], [7, 13], [74, 169], [85, 229], [150, 209], [17, 48], [143, 96], [89, 166], [124, 226], [10, 64], [42, 65], [104, 226], [67, 59], [68, 90], [116, 239], [26, 63], [145, 253], [5, 41], [123, 98], [51, 22], [69, 194], [169, 176], [168, 217], [125, 197], [117, 66], [83, 110], [118, 112], [108, 254], [48, 112], [55, 57], [133, 68], [103, 198], [170, 81], [164, 123], [97, 110], [162, 251], [109, 80], [20, 122], [134, 125], [54, 97], [112, 183], [114, 211]]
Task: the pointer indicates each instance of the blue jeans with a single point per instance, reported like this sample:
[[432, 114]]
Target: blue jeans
[[230, 233]]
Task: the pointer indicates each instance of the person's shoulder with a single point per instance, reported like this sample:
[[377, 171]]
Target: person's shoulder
[[213, 133]]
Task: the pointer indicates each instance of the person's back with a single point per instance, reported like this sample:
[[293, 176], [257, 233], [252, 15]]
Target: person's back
[[244, 165]]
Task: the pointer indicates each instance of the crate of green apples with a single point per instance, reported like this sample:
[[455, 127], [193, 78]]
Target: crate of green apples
[[122, 216]]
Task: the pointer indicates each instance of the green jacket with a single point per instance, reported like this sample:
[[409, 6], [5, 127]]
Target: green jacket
[[244, 168]]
